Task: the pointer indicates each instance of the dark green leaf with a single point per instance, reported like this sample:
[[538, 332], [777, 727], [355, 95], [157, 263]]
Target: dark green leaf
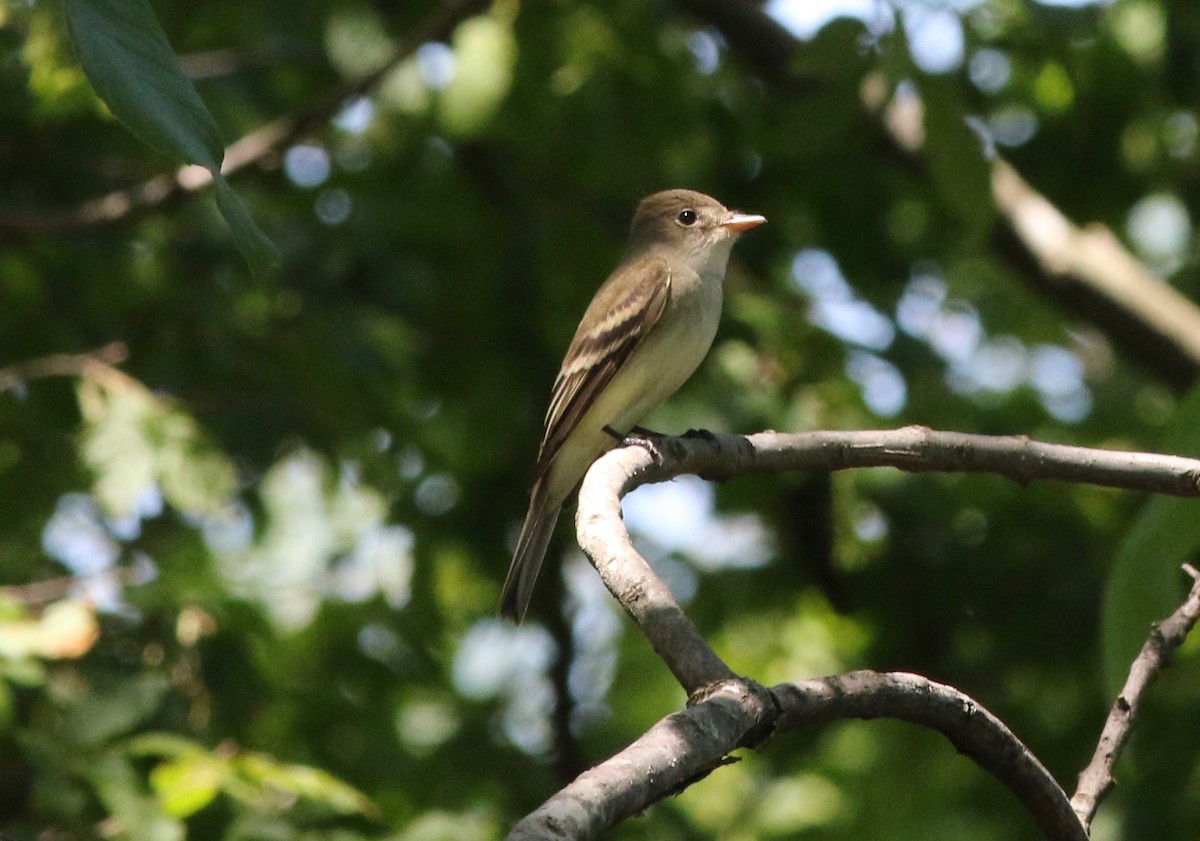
[[127, 58], [260, 253]]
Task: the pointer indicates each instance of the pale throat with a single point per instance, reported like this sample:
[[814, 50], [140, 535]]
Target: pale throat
[[709, 260]]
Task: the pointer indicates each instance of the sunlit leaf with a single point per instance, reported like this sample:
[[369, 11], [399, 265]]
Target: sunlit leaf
[[134, 813], [134, 441], [485, 51], [305, 781], [164, 744], [187, 784], [65, 629], [356, 39], [55, 79]]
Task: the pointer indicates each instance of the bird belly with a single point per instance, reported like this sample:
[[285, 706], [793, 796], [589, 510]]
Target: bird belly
[[656, 369]]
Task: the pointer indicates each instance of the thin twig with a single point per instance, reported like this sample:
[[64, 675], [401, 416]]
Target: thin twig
[[40, 593], [1096, 780], [97, 364]]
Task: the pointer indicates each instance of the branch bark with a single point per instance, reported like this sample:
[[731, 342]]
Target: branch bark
[[603, 538], [971, 728], [915, 449], [680, 749], [38, 594]]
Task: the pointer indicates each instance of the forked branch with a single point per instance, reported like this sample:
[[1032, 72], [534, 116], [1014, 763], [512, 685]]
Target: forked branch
[[726, 712]]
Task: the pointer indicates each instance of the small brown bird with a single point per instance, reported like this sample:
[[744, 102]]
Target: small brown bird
[[644, 333]]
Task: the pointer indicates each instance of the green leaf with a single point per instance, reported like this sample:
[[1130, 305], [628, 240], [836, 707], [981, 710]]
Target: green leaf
[[305, 781], [116, 708], [24, 671], [186, 785], [129, 62], [260, 253], [164, 744], [1145, 583]]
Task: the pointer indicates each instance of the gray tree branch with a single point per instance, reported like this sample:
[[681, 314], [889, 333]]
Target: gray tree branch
[[915, 449], [687, 746], [725, 712]]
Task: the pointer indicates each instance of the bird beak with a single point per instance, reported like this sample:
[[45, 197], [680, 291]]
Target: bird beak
[[738, 221]]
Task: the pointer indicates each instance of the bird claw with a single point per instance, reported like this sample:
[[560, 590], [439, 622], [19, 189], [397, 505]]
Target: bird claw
[[639, 436], [644, 438]]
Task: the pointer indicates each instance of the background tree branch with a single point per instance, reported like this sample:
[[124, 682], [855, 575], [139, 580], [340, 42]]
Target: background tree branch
[[1087, 269], [98, 363]]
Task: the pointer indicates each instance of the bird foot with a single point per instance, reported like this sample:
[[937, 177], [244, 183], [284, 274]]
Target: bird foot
[[647, 440], [638, 437], [702, 434]]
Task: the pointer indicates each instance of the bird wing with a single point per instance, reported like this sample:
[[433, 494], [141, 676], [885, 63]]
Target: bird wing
[[623, 316]]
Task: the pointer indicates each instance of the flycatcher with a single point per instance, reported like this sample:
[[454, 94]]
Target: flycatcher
[[644, 333]]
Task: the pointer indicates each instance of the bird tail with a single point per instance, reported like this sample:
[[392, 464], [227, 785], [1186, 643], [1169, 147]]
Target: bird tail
[[527, 559]]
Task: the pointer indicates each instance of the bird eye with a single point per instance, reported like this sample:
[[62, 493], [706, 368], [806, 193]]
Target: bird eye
[[687, 217]]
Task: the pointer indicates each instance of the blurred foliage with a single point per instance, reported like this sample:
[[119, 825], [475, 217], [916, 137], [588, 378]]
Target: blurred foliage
[[286, 517]]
